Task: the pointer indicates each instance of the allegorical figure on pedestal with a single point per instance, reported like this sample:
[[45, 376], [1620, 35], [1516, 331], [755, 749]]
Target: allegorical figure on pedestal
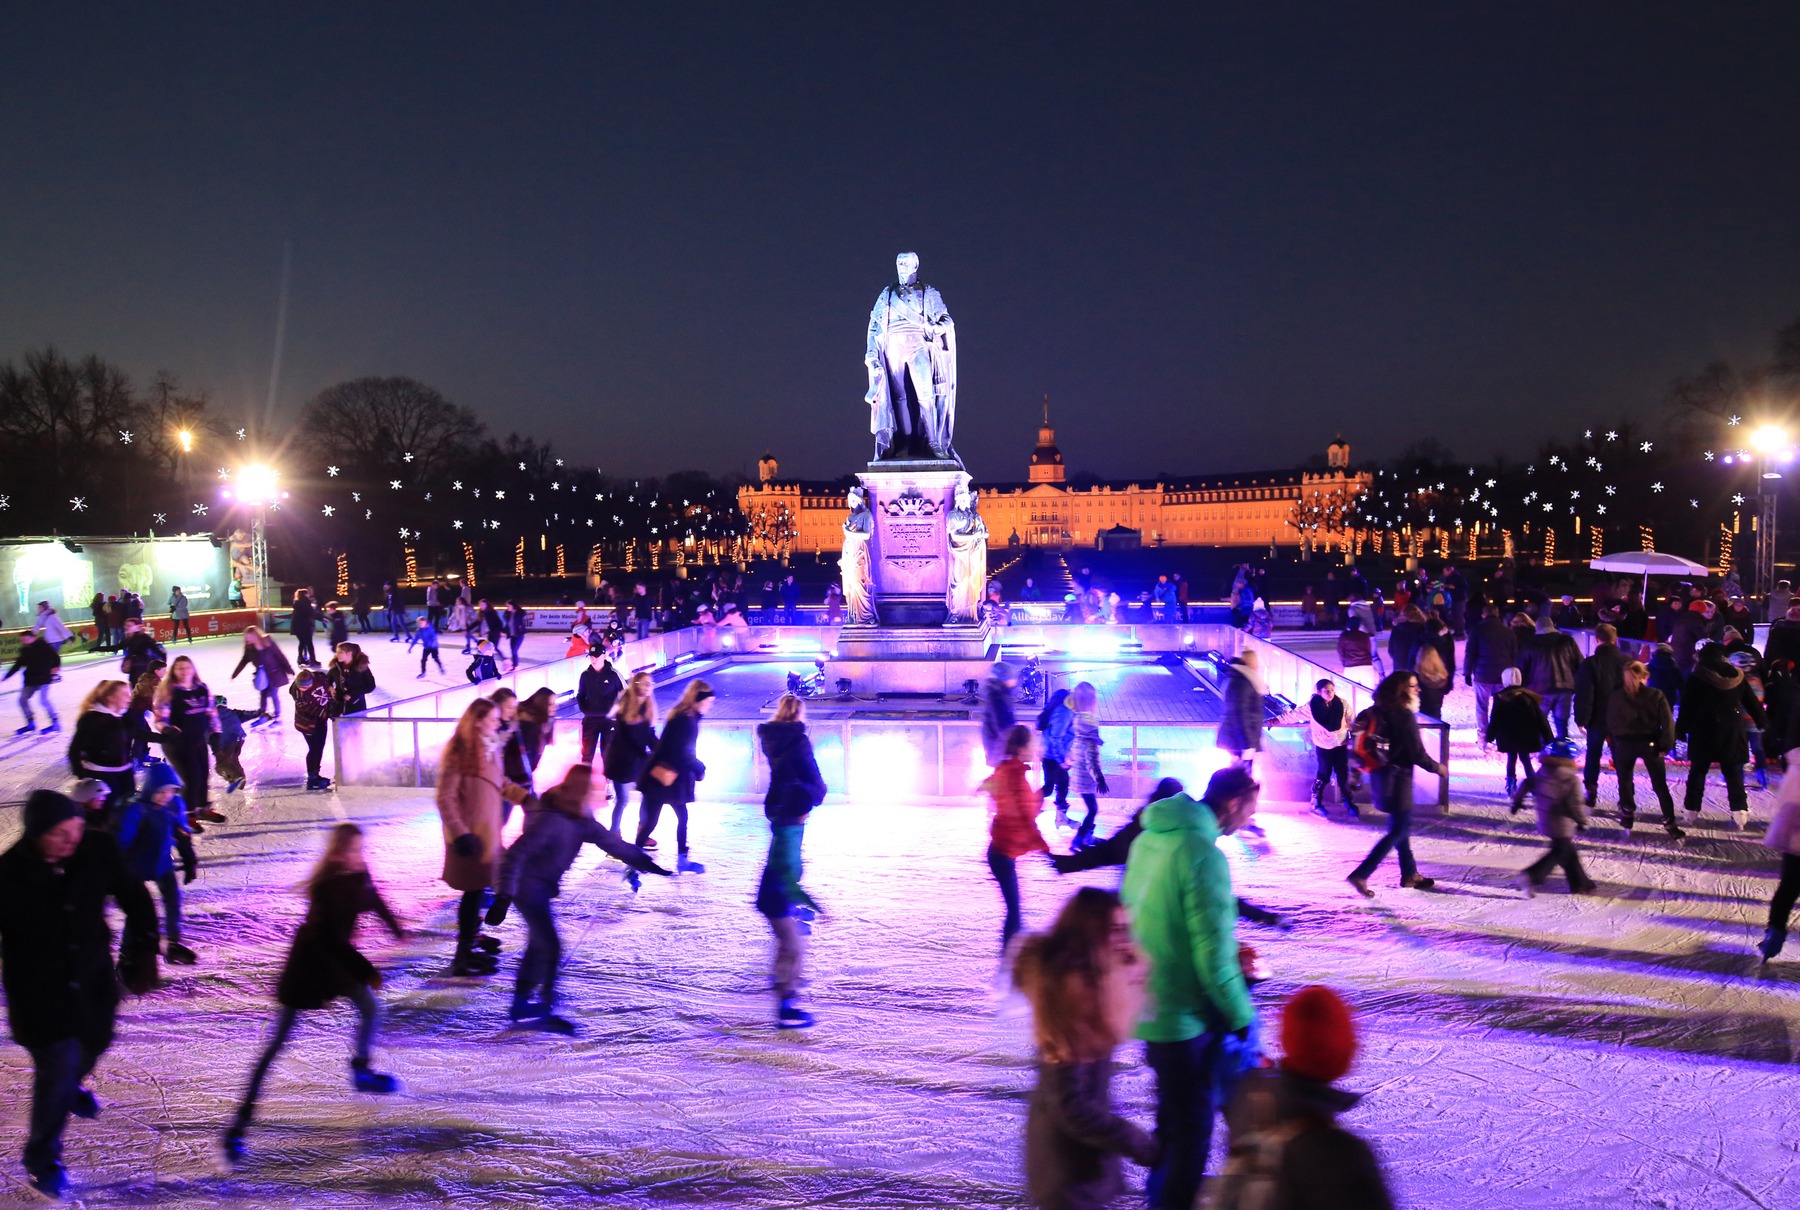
[[911, 358], [967, 534], [854, 564]]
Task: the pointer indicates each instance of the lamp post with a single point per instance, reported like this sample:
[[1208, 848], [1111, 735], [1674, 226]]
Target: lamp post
[[1774, 449], [258, 486], [185, 439]]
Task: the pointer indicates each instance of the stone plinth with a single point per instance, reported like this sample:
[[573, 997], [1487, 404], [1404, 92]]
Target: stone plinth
[[910, 553]]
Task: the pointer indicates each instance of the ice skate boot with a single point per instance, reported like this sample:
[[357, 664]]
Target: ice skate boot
[[633, 881], [1674, 830], [468, 963], [485, 945], [1526, 887], [86, 1105], [1062, 819], [27, 729], [1740, 820], [212, 816], [1512, 788], [550, 1023], [1418, 882], [1361, 885], [179, 954], [1318, 803], [792, 1016], [232, 1144], [1771, 943], [364, 1078], [51, 1180], [53, 728], [687, 865]]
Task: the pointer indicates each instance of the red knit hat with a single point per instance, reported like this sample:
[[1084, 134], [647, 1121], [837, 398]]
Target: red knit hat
[[1318, 1038]]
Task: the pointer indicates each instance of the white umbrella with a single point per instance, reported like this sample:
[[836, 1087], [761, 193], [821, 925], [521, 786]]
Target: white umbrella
[[1649, 563]]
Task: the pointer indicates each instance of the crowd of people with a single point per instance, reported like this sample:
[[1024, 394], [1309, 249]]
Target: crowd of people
[[1158, 960]]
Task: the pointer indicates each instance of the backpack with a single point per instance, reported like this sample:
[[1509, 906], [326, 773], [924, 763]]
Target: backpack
[[1369, 741], [1252, 1169]]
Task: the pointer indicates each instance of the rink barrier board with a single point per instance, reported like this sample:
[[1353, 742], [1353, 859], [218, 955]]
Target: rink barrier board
[[397, 744]]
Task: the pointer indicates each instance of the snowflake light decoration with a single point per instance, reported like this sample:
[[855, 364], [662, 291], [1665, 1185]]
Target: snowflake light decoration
[[1657, 486], [199, 510], [407, 456], [499, 495], [331, 472], [356, 497], [456, 525], [1646, 447], [328, 510], [394, 484], [78, 503], [125, 436], [1738, 499], [162, 518]]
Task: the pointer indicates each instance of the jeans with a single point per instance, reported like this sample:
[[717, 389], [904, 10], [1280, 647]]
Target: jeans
[[1484, 700], [58, 1069], [42, 693], [1557, 704], [543, 953], [1596, 748], [1626, 754], [180, 624], [1006, 873], [1056, 782], [1786, 891], [650, 812], [363, 625], [1093, 811], [399, 624], [1514, 760], [430, 653], [303, 640], [790, 954], [621, 792], [1733, 773], [1184, 1117], [229, 761], [596, 729], [1561, 852], [643, 626], [360, 995], [1397, 838], [192, 759], [1332, 762], [169, 887], [513, 644], [315, 747], [269, 702]]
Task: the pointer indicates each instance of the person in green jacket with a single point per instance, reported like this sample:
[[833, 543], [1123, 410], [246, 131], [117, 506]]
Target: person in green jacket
[[1184, 914]]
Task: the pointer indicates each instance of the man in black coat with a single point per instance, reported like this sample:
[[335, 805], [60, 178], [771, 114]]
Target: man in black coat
[[1600, 676], [1714, 705], [1549, 661], [1493, 647], [57, 966], [595, 694], [1784, 638]]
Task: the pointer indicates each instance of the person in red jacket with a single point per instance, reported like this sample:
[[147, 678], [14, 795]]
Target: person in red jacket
[[1014, 831]]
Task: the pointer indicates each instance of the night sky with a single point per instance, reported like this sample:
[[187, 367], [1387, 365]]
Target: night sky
[[1215, 235]]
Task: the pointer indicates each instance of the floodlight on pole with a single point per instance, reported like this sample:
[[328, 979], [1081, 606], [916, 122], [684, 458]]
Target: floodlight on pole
[[1773, 444], [257, 486], [186, 439]]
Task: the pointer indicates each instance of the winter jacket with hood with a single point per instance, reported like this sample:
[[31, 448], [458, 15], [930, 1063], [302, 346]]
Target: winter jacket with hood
[[1404, 642], [1321, 1166], [1643, 717], [1074, 1138], [1516, 722], [795, 784], [323, 963], [677, 749], [1716, 707], [628, 749], [1240, 727], [39, 661], [535, 864], [1083, 759], [1559, 796], [1184, 915], [1599, 679], [268, 659], [55, 945], [1013, 830], [1493, 648], [150, 835], [1056, 723]]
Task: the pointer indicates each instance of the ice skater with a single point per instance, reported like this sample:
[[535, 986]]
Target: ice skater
[[1557, 790], [312, 719], [1784, 837], [322, 965], [1084, 775], [1328, 722], [1056, 724], [470, 787], [672, 772], [426, 636], [1013, 831], [1086, 980], [795, 787], [56, 963], [1518, 726], [1389, 760], [152, 831], [556, 826]]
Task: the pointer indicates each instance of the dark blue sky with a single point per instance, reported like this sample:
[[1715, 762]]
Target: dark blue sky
[[1214, 234]]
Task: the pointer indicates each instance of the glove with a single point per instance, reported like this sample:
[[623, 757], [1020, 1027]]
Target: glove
[[467, 845], [497, 910]]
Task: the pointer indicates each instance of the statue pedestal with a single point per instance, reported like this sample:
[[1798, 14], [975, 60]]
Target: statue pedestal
[[909, 553]]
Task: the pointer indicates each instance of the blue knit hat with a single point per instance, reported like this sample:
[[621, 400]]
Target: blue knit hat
[[161, 774]]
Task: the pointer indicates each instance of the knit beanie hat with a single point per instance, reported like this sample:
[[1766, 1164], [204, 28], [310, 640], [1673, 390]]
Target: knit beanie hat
[[1318, 1038], [88, 789], [45, 809]]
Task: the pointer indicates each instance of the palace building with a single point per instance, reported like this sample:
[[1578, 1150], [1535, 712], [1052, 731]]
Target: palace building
[[1252, 508]]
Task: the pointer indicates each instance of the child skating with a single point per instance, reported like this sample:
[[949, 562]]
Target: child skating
[[151, 831], [1557, 790], [324, 964]]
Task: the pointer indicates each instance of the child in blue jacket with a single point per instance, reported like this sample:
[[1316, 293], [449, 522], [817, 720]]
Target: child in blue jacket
[[151, 831]]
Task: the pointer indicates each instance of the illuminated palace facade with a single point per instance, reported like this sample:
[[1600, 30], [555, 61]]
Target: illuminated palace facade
[[1255, 508]]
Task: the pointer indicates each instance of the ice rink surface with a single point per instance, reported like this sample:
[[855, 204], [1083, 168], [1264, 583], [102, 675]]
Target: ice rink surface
[[1620, 1050]]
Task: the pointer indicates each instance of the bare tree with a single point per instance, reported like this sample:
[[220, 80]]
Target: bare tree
[[377, 428]]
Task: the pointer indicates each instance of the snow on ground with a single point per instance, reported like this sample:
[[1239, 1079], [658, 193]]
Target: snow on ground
[[1621, 1050]]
